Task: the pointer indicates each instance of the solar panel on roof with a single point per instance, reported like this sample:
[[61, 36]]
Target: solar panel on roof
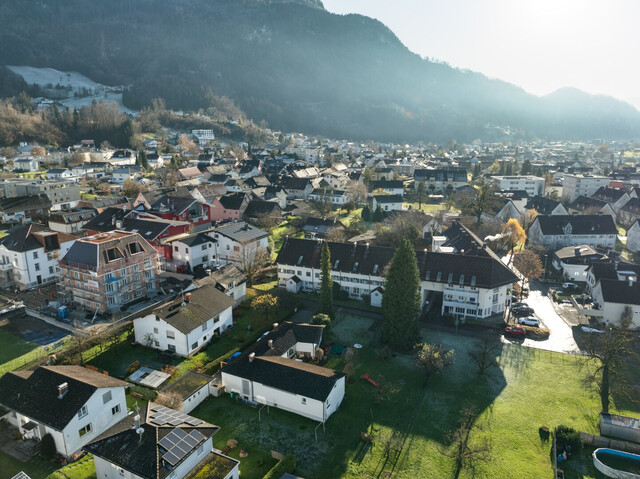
[[197, 435], [157, 422], [175, 422], [180, 433], [191, 441], [156, 408], [166, 442], [193, 421], [171, 458]]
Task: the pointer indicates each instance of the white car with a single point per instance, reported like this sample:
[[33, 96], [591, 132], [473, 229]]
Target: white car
[[569, 285], [529, 321]]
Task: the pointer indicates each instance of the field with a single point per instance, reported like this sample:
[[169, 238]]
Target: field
[[530, 389]]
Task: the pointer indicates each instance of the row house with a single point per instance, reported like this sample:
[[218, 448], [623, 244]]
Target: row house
[[558, 231], [335, 197], [440, 180]]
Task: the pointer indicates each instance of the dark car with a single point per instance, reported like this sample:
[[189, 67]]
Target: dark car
[[515, 331], [519, 304], [522, 312]]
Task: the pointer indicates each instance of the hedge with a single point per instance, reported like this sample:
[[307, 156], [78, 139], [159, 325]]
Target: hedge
[[536, 333], [212, 366], [286, 464], [146, 393]]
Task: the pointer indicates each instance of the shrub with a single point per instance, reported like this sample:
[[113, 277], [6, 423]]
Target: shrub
[[567, 436], [212, 366], [286, 464], [536, 333], [170, 400], [47, 446], [322, 319], [133, 367]]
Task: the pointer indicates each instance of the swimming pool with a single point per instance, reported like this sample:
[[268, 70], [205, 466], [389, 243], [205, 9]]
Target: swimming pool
[[617, 464]]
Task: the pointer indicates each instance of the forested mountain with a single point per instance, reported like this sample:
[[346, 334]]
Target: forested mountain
[[294, 64]]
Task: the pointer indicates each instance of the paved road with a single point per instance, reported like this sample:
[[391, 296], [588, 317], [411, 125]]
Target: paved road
[[561, 337]]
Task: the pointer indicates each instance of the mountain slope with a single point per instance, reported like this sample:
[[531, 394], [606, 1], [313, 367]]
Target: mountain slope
[[291, 63]]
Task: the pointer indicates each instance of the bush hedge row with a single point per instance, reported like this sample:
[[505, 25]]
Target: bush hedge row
[[286, 464]]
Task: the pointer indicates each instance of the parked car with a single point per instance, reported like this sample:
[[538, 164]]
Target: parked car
[[529, 321], [569, 285], [521, 312], [519, 304], [515, 331]]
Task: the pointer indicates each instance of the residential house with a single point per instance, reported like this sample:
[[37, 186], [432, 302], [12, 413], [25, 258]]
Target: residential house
[[192, 250], [230, 207], [240, 243], [588, 205], [558, 231], [190, 173], [62, 193], [106, 271], [158, 442], [335, 197], [31, 165], [268, 374], [24, 208], [260, 210], [533, 185], [573, 261], [188, 323], [387, 202], [122, 158], [297, 188], [612, 296], [127, 173], [72, 221], [389, 187], [633, 237], [192, 388], [615, 197], [581, 185], [545, 206], [29, 255], [629, 213], [203, 136], [230, 280], [321, 227], [59, 174], [73, 404], [440, 180]]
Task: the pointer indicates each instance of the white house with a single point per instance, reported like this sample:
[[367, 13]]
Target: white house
[[387, 202], [633, 237], [27, 164], [557, 231], [335, 197], [73, 404], [390, 187], [158, 442], [581, 185], [126, 173], [239, 243], [203, 136], [573, 261], [59, 174], [194, 250], [267, 373], [185, 325], [533, 185], [31, 254], [611, 297], [228, 279], [192, 387]]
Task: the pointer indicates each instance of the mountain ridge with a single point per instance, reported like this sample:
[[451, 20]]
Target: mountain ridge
[[293, 64]]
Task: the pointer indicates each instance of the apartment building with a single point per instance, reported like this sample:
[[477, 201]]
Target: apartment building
[[109, 270], [63, 194], [574, 186], [533, 185]]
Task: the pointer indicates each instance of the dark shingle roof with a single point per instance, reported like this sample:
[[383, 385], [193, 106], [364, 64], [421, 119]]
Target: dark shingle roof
[[197, 239], [388, 199], [453, 174], [232, 201], [610, 195], [542, 205], [206, 302], [25, 203], [621, 292], [37, 395], [106, 221], [257, 208], [580, 224]]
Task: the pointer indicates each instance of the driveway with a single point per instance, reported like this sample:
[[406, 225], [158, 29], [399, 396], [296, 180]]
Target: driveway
[[561, 338]]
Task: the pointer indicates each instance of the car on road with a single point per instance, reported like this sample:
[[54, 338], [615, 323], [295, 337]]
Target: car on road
[[529, 321], [518, 331], [522, 312]]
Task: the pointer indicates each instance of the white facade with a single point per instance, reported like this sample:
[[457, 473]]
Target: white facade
[[612, 312], [204, 135], [633, 237], [304, 406], [106, 407], [156, 333], [108, 470], [395, 206], [31, 268], [581, 185], [193, 401], [202, 254], [231, 251], [533, 185], [120, 176], [555, 242], [335, 197]]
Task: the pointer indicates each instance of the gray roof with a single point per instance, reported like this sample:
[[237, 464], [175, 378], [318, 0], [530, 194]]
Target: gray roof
[[206, 302], [241, 232]]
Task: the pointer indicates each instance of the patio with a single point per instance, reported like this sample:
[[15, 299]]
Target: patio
[[23, 450]]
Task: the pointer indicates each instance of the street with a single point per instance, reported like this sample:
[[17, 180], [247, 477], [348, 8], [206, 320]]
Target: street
[[561, 337]]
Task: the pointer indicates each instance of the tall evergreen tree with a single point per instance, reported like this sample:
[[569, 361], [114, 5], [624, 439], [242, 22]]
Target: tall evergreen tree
[[401, 300], [326, 283], [366, 214]]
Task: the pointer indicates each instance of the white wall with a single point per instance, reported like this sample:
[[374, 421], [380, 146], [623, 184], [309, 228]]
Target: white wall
[[24, 264], [335, 398], [190, 403], [633, 238], [195, 255], [311, 408]]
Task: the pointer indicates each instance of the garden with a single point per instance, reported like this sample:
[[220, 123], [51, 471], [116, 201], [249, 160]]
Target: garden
[[409, 430]]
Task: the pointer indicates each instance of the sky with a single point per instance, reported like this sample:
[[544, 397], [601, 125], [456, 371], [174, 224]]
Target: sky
[[539, 45]]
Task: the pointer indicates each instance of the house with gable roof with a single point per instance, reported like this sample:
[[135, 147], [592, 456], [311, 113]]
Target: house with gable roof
[[557, 231]]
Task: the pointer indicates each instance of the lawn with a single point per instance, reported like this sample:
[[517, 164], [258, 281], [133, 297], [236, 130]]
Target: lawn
[[15, 352], [531, 388]]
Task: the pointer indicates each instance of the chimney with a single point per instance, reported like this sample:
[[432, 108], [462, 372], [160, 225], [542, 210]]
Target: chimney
[[118, 224], [270, 343], [252, 356], [576, 251], [62, 390]]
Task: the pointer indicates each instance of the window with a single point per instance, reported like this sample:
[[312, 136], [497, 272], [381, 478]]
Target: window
[[37, 266], [171, 335], [175, 248], [115, 410], [155, 330], [50, 269], [106, 397], [35, 255], [171, 348], [83, 412], [194, 345], [304, 400], [85, 430]]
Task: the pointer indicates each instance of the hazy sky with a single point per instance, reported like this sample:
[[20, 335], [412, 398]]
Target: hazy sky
[[540, 45]]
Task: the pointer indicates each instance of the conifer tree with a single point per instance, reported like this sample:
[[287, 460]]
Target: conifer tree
[[326, 282], [401, 300]]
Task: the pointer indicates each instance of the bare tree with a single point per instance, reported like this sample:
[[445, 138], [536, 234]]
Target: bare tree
[[357, 192], [251, 260], [606, 357], [170, 400], [467, 454], [484, 354]]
